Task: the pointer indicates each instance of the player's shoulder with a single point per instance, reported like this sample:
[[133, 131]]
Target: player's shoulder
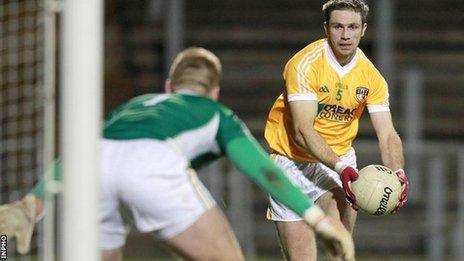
[[143, 97], [136, 101], [223, 109], [309, 53], [206, 104], [366, 63], [206, 101], [226, 113]]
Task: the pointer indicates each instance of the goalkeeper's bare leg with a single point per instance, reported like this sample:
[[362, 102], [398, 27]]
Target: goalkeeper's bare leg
[[209, 238], [112, 255]]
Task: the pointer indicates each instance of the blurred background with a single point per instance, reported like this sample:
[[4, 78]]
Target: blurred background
[[417, 45]]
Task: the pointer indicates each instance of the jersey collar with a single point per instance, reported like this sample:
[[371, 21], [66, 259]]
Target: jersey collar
[[188, 92], [341, 70]]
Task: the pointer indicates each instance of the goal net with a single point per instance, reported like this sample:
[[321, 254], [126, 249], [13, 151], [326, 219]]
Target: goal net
[[21, 98]]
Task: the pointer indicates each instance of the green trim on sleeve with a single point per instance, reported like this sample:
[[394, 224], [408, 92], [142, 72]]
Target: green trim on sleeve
[[38, 190], [248, 157]]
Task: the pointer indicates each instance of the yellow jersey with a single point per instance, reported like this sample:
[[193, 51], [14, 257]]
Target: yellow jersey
[[342, 93]]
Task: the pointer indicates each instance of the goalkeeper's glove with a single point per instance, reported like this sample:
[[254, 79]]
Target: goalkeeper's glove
[[332, 232], [347, 175], [17, 219]]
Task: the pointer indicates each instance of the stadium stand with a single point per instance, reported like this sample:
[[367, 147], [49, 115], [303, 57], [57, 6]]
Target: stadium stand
[[255, 38]]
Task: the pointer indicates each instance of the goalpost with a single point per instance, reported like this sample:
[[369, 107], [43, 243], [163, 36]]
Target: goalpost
[[27, 110], [82, 55]]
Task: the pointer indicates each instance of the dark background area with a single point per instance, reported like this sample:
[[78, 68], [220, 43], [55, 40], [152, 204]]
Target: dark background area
[[254, 39]]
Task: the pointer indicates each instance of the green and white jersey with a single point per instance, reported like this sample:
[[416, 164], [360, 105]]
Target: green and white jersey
[[202, 130], [197, 127]]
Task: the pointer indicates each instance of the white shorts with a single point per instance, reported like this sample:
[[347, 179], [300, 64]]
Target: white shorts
[[314, 179], [154, 183]]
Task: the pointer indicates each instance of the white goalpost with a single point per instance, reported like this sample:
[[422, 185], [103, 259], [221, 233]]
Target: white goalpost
[[51, 8], [27, 108], [82, 55]]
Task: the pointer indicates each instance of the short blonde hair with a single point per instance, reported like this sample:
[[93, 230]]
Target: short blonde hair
[[359, 6], [193, 67]]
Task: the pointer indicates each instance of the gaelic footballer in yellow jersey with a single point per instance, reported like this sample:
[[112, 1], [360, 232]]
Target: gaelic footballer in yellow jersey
[[312, 125], [342, 93]]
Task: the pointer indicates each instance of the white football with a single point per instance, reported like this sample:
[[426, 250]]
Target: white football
[[377, 190]]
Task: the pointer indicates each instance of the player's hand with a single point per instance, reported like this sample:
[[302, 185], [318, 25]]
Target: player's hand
[[17, 220], [336, 238], [404, 194], [347, 175]]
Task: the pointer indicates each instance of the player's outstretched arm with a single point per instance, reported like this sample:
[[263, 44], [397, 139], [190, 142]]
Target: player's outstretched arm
[[248, 156], [39, 189], [17, 219]]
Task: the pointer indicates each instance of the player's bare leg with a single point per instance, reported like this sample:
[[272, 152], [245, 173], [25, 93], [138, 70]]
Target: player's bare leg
[[112, 255], [335, 205], [209, 238], [297, 240], [345, 211]]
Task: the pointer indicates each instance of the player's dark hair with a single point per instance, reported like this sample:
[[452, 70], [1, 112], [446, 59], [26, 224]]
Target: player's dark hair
[[359, 6]]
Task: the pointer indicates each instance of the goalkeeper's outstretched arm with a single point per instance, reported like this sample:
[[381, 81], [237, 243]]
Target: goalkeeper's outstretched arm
[[248, 156], [38, 190], [17, 219]]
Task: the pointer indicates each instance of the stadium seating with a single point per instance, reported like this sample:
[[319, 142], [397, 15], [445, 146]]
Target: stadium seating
[[255, 38]]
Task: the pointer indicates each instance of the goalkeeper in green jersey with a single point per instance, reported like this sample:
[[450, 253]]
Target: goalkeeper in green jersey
[[150, 148]]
